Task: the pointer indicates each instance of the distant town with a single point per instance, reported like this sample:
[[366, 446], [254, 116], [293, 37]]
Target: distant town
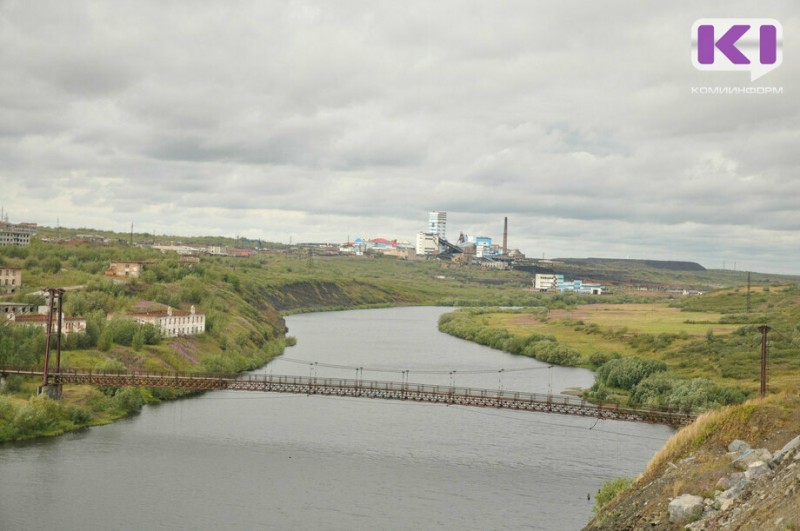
[[432, 243]]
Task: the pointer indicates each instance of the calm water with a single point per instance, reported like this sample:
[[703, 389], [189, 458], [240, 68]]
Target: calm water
[[233, 460]]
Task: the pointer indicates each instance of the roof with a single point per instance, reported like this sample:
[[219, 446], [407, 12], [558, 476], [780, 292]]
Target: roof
[[384, 241], [161, 313], [39, 318], [168, 312]]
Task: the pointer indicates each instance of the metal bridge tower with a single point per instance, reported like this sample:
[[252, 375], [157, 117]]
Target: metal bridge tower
[[53, 390]]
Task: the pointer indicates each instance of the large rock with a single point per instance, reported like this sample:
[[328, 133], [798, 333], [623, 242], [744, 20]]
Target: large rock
[[738, 446], [685, 508], [738, 484], [751, 456], [756, 470], [724, 483], [787, 449]]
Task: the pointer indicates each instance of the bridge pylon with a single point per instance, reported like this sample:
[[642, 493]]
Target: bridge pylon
[[50, 387]]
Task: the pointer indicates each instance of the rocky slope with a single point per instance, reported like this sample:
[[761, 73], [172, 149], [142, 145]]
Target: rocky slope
[[736, 468]]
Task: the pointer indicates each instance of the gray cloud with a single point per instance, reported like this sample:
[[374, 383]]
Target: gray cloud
[[316, 120]]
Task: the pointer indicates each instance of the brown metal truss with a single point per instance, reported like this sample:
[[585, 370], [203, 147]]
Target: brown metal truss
[[442, 394]]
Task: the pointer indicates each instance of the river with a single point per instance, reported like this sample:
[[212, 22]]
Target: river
[[235, 460]]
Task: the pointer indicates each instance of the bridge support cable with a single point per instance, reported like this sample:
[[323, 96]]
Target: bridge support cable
[[464, 396]]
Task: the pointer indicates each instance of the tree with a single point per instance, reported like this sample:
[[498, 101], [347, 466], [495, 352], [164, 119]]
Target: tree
[[138, 340], [106, 339], [625, 373]]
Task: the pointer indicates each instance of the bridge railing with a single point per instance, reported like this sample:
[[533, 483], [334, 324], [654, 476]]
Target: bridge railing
[[353, 384], [445, 390]]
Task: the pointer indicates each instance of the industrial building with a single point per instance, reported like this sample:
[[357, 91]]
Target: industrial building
[[18, 234], [431, 241]]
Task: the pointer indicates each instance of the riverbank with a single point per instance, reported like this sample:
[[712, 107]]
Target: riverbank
[[695, 464], [691, 354], [704, 464], [321, 462], [243, 302]]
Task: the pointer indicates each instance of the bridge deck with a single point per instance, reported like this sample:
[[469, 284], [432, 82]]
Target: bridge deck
[[464, 396]]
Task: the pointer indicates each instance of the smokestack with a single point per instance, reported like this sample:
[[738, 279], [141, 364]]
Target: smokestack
[[505, 236]]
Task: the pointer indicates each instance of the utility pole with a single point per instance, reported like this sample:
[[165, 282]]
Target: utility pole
[[748, 292], [764, 329]]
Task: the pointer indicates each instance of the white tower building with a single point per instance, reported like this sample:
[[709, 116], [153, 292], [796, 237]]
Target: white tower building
[[437, 224]]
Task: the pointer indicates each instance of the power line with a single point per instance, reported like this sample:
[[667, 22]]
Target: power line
[[533, 420], [537, 421]]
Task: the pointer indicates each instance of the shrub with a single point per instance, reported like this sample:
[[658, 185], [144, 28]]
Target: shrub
[[599, 358], [51, 265], [219, 364], [700, 394], [106, 340], [694, 395], [192, 290], [79, 415], [129, 399], [22, 345], [138, 340], [13, 384], [39, 415], [609, 491], [624, 373]]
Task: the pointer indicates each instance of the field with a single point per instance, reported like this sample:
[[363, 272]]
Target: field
[[707, 341], [570, 326]]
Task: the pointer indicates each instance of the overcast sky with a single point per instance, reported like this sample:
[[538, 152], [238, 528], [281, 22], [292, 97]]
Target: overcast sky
[[316, 121]]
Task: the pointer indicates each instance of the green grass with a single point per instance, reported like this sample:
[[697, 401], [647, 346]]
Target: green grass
[[243, 299], [690, 340]]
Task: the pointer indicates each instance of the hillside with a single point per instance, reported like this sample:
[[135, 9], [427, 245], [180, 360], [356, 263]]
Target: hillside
[[623, 265], [690, 353], [714, 464], [243, 300], [707, 337]]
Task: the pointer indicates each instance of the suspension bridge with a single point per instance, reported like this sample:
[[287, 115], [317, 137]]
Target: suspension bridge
[[343, 387], [53, 381]]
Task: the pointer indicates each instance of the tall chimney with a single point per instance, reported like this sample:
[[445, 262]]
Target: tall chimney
[[505, 236]]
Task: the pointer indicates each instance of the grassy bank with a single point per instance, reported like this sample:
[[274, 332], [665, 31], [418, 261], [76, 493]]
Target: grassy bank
[[243, 300], [693, 353]]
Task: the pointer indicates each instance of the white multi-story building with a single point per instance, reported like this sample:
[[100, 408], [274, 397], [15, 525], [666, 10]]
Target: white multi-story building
[[543, 282], [429, 242], [483, 247], [426, 244], [173, 323], [437, 224], [16, 234]]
